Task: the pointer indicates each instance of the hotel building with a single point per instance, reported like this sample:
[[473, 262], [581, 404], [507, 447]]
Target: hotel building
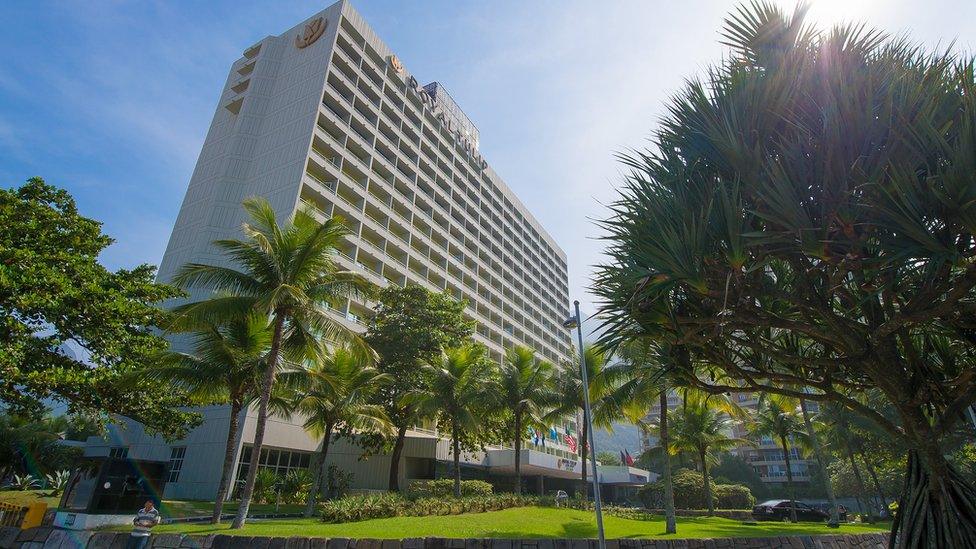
[[326, 117]]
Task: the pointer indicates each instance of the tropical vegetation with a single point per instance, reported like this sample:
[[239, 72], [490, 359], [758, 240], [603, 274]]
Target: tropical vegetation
[[225, 366], [333, 394], [71, 331], [817, 185], [526, 388], [287, 273], [462, 393], [411, 325]]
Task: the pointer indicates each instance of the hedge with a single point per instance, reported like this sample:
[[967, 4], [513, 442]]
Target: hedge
[[442, 488], [365, 507], [689, 493]]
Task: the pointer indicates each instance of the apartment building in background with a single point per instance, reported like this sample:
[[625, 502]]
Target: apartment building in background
[[765, 455], [326, 117]]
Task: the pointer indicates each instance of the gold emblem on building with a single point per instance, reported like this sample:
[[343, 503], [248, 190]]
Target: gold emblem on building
[[313, 30], [396, 64]]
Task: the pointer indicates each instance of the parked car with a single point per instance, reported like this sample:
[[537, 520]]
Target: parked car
[[825, 507], [779, 509]]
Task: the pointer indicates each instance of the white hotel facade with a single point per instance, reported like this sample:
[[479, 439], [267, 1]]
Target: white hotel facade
[[325, 116]]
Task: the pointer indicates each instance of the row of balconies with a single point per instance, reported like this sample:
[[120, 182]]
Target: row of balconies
[[361, 178], [351, 58], [421, 263]]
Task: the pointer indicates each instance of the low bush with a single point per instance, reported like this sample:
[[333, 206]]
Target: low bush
[[371, 506], [733, 496], [444, 487], [689, 493]]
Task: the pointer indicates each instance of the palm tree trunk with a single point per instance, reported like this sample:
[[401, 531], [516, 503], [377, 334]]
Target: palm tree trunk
[[860, 481], [318, 474], [457, 461], [395, 459], [874, 478], [235, 412], [669, 520], [821, 462], [269, 377], [709, 504], [789, 478], [518, 453]]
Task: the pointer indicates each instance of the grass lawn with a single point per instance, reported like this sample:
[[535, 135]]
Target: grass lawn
[[183, 509], [523, 522]]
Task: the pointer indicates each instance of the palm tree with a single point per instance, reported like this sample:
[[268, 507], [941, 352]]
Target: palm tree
[[643, 368], [288, 274], [333, 395], [701, 426], [463, 389], [602, 382], [226, 365], [777, 418], [836, 425], [527, 389], [821, 462]]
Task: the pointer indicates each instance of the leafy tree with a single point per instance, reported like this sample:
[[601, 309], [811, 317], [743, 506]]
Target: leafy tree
[[527, 390], [287, 273], [226, 366], [31, 445], [333, 395], [732, 469], [701, 426], [463, 391], [819, 184], [778, 419], [53, 291], [602, 383], [411, 326]]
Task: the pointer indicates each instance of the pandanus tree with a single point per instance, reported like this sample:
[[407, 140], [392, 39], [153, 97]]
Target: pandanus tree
[[287, 273], [332, 392], [225, 365], [778, 419], [702, 425], [821, 184], [527, 391], [462, 393]]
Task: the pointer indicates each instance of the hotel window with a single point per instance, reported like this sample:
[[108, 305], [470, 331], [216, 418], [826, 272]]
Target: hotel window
[[277, 461], [176, 455], [119, 452]]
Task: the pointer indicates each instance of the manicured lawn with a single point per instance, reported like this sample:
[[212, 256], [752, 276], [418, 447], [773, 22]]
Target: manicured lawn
[[524, 522], [182, 509]]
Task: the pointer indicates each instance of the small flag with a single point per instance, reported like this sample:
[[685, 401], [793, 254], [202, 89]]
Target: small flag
[[571, 442], [629, 460]]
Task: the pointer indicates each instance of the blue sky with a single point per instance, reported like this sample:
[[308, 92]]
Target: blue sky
[[112, 100]]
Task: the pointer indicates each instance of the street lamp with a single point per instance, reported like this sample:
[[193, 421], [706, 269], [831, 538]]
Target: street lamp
[[575, 322]]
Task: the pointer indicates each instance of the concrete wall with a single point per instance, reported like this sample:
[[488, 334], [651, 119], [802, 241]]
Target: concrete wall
[[47, 538]]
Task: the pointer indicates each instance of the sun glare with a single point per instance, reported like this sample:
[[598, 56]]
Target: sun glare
[[830, 12]]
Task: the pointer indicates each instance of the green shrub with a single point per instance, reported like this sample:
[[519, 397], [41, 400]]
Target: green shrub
[[444, 487], [364, 507], [689, 493], [295, 486], [733, 496]]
